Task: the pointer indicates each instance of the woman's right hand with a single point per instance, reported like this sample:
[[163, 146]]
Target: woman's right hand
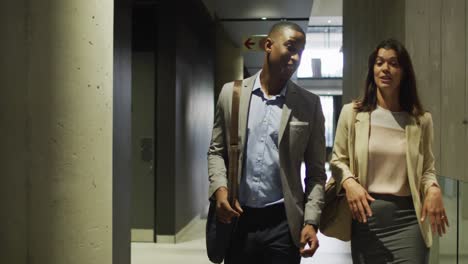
[[358, 200]]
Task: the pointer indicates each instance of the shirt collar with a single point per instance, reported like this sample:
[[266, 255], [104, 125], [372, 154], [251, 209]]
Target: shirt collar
[[257, 86]]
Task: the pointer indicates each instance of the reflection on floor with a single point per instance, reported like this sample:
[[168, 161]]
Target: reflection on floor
[[191, 249]]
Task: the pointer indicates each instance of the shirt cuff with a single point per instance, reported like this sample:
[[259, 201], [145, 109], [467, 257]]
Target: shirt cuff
[[312, 223]]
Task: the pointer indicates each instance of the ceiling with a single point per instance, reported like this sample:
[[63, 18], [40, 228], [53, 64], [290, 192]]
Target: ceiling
[[249, 9], [243, 18]]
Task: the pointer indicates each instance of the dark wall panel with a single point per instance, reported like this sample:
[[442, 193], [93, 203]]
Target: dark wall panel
[[121, 133], [194, 111], [185, 85], [165, 120]]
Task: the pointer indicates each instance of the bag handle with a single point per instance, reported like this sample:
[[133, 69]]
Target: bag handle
[[234, 144]]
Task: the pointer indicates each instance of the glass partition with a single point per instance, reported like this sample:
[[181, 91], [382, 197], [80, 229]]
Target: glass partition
[[452, 248]]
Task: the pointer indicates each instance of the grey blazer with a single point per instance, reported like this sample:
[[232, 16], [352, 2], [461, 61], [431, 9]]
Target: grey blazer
[[301, 139]]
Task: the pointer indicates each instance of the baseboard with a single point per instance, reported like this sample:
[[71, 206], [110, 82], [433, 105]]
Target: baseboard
[[165, 239], [180, 235], [142, 235]]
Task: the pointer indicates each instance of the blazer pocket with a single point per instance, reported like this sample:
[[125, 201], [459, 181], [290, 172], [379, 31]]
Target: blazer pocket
[[298, 128], [298, 135], [298, 123]]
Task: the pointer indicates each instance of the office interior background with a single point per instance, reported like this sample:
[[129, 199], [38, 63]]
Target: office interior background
[[106, 111]]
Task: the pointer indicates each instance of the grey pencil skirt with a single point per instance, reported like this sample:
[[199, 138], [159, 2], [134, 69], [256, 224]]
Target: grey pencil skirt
[[391, 235]]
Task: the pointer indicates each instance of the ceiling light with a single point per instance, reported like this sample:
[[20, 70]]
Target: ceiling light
[[329, 21], [264, 18]]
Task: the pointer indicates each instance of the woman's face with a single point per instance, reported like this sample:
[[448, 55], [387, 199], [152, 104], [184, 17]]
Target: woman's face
[[387, 71]]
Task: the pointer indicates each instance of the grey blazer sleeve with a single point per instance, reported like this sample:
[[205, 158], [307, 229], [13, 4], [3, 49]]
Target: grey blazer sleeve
[[217, 152], [314, 159]]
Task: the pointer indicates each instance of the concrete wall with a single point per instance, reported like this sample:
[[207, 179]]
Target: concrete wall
[[437, 40], [56, 131], [437, 33], [365, 24]]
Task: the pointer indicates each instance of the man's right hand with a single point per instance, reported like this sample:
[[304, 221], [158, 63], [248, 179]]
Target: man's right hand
[[224, 211], [358, 200]]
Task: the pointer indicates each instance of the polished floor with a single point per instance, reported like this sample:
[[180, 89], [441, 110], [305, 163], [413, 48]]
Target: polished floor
[[191, 249]]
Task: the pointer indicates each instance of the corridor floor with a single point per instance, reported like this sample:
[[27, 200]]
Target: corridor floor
[[191, 249]]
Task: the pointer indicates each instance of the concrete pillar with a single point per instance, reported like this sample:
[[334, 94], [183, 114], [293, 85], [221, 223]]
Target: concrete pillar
[[56, 148]]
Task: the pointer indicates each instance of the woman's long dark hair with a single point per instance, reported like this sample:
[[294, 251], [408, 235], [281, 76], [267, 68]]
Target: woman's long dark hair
[[409, 99]]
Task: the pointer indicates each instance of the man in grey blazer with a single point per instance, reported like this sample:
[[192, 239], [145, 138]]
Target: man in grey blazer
[[281, 126]]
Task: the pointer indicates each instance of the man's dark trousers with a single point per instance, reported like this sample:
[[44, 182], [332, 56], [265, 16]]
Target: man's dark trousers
[[262, 237]]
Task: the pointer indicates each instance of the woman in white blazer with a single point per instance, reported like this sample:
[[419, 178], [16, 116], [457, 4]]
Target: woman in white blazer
[[392, 192]]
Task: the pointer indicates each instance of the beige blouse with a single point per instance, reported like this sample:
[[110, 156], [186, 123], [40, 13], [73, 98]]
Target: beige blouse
[[387, 170]]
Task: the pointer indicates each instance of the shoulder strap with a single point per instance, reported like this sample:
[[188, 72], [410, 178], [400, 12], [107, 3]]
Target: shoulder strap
[[234, 144], [235, 112]]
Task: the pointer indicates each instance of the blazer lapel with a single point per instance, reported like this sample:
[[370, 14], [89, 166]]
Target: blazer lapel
[[287, 108], [244, 106], [361, 145]]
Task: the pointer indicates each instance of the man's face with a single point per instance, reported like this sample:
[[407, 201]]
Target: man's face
[[285, 49]]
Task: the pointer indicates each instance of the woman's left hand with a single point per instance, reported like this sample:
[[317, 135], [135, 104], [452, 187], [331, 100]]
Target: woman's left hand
[[433, 208]]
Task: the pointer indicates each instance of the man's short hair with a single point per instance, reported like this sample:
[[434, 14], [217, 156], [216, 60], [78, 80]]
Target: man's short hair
[[280, 26]]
